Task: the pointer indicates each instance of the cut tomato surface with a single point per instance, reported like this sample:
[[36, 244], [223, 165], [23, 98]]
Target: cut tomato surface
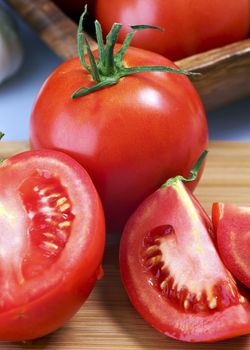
[[173, 274], [232, 226], [51, 242]]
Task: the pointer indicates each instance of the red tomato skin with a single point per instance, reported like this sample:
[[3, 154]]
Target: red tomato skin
[[163, 316], [130, 137], [190, 26], [37, 313], [232, 226], [48, 313]]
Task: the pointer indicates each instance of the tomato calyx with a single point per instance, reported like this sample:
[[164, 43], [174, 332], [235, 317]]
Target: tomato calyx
[[108, 69], [193, 173]]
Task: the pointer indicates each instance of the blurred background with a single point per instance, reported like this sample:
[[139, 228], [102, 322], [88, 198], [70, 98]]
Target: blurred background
[[18, 93]]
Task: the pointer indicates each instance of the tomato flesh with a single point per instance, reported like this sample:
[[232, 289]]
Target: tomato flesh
[[51, 242], [164, 261], [49, 210], [232, 226], [173, 274]]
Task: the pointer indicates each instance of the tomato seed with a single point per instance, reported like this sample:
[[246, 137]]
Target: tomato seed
[[60, 201], [50, 217], [221, 296], [64, 207], [64, 224]]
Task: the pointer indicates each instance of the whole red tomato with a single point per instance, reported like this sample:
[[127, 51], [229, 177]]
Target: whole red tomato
[[191, 26], [51, 243], [130, 136], [172, 271]]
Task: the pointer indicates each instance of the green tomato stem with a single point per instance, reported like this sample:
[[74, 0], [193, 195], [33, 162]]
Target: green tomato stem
[[108, 69], [100, 43], [85, 91], [143, 26], [80, 40], [93, 66], [193, 173], [109, 50], [141, 69], [120, 54]]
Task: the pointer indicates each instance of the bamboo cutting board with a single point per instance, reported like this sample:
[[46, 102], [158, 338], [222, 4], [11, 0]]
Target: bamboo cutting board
[[107, 321]]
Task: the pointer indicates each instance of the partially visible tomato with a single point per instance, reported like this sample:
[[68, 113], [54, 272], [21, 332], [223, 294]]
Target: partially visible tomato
[[232, 228], [173, 274], [191, 26], [51, 242], [130, 136]]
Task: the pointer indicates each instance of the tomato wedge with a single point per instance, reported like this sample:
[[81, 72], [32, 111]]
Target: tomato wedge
[[51, 242], [173, 274], [232, 226]]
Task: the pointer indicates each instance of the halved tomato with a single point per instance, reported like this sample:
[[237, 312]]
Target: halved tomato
[[173, 274], [232, 227], [51, 242]]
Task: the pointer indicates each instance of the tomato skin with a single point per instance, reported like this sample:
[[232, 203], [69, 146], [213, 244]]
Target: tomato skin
[[190, 26], [232, 226], [130, 137], [45, 302], [177, 207]]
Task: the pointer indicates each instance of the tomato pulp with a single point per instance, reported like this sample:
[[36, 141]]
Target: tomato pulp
[[173, 274], [189, 26], [130, 137], [51, 244]]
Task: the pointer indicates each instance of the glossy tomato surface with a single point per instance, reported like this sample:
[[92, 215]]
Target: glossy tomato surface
[[191, 26], [51, 244], [232, 227], [130, 137], [173, 274]]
